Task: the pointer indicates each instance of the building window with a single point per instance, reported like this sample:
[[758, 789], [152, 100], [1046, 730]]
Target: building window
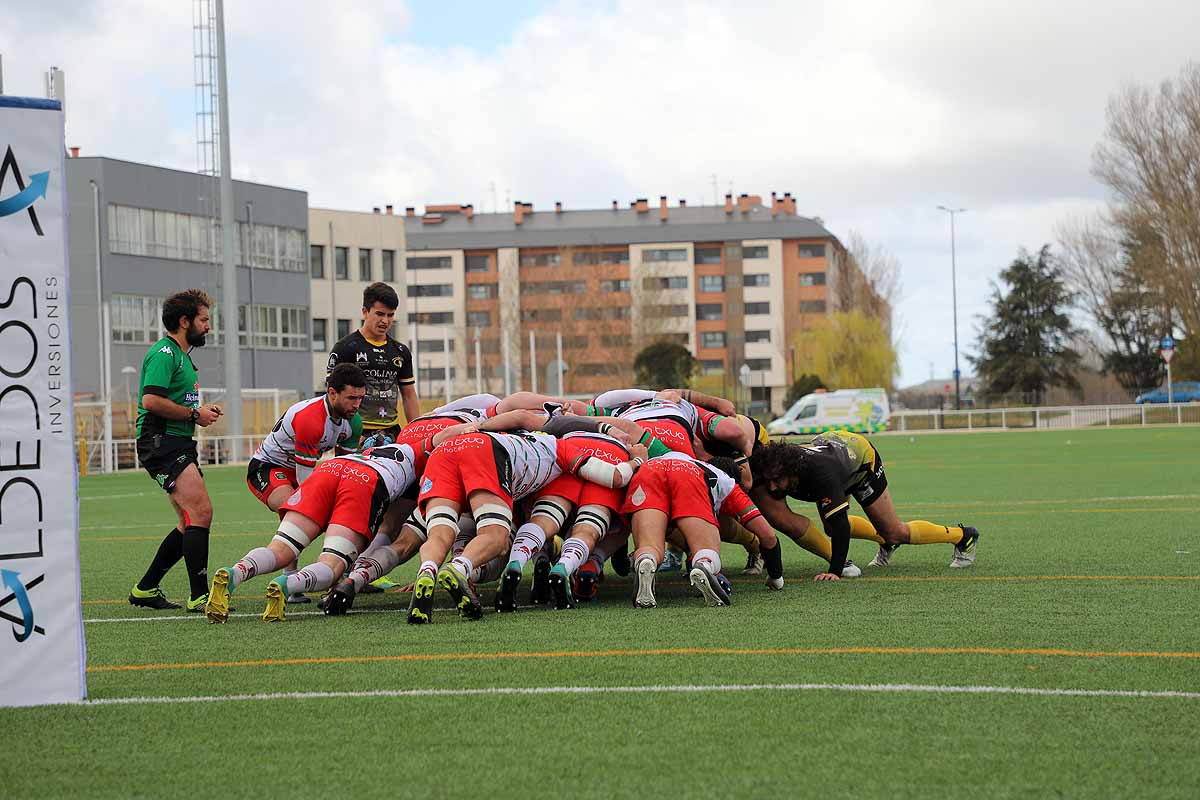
[[712, 283], [615, 285], [659, 284], [389, 265], [320, 331], [276, 327], [812, 278], [540, 259], [586, 370], [812, 306], [481, 291], [554, 287], [757, 251], [810, 250], [432, 318], [541, 315], [436, 373], [589, 257], [712, 339], [430, 290], [758, 364], [676, 338], [364, 265], [343, 329], [671, 254], [608, 312], [316, 260], [135, 319], [190, 237], [434, 345], [478, 264], [479, 319], [759, 279], [488, 346], [616, 339], [757, 336], [428, 262], [711, 366], [758, 308], [709, 311], [708, 255], [341, 263], [668, 310]]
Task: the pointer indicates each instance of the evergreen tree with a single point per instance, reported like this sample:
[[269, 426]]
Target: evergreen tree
[[664, 365], [1024, 345]]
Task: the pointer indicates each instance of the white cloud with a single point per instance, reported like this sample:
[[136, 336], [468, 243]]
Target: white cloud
[[871, 113]]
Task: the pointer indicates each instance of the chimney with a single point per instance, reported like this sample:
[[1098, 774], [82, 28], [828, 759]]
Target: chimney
[[616, 206], [642, 205], [389, 208], [683, 202], [557, 207], [375, 210], [728, 203], [662, 207], [774, 205], [409, 211], [468, 211], [74, 152], [518, 212], [744, 203], [528, 208], [788, 204]]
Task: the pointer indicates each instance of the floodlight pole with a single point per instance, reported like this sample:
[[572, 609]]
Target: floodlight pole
[[954, 303]]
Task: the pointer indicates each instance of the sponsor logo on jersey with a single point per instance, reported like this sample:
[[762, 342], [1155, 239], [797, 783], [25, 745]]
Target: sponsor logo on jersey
[[294, 499], [426, 486], [398, 361], [165, 349], [361, 356], [638, 497], [332, 360]]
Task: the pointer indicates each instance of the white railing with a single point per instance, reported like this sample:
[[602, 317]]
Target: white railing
[[1045, 417]]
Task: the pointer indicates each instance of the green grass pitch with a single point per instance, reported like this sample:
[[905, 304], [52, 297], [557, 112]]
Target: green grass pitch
[[1088, 578]]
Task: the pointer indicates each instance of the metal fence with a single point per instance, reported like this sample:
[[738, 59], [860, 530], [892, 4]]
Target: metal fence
[[1045, 417]]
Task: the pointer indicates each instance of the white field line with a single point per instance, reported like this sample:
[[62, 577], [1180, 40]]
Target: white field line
[[501, 691], [290, 614]]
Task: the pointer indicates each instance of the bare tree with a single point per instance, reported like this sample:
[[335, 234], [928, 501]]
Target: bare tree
[[870, 280]]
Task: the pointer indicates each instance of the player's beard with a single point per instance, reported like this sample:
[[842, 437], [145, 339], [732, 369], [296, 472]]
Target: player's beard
[[194, 337]]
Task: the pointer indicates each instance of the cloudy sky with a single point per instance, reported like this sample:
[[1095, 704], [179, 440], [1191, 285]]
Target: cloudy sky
[[871, 113]]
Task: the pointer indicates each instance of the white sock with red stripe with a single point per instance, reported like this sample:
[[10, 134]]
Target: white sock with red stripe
[[373, 566], [258, 561], [316, 577], [574, 553], [710, 558], [463, 564], [529, 542], [428, 566]]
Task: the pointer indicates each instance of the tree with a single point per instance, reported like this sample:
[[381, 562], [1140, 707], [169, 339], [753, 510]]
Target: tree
[[805, 384], [849, 349], [870, 279], [1104, 263], [1024, 344], [664, 365], [1150, 159]]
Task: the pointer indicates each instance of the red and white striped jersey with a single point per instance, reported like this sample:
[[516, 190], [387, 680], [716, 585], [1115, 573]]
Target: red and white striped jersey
[[682, 412], [727, 497], [483, 405], [304, 432], [396, 464], [538, 458]]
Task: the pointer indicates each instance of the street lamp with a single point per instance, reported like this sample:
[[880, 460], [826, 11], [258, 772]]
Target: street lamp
[[954, 301]]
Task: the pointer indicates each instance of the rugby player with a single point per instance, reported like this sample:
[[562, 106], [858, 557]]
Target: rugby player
[[691, 494], [486, 472], [835, 466], [168, 412], [387, 363]]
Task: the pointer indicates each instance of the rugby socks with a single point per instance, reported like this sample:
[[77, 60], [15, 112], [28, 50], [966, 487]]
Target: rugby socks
[[428, 567], [463, 564], [861, 528], [529, 542], [170, 550], [316, 577], [258, 561], [710, 558], [922, 532], [195, 559], [734, 533], [490, 571], [816, 542], [773, 558], [574, 552], [373, 567]]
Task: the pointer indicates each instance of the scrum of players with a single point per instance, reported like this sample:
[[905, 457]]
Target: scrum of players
[[481, 486]]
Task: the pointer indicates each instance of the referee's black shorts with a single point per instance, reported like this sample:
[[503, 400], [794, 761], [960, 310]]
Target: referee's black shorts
[[166, 457]]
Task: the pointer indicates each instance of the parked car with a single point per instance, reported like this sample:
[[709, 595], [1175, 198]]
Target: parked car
[[1181, 392], [858, 410]]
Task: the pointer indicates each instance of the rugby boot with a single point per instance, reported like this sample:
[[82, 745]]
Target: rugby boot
[[506, 595], [754, 563], [643, 583], [151, 598], [851, 570], [217, 609], [461, 591], [620, 560], [276, 596], [710, 588], [298, 599], [585, 583], [539, 590], [340, 598], [198, 605], [884, 556], [964, 551], [420, 608], [560, 588]]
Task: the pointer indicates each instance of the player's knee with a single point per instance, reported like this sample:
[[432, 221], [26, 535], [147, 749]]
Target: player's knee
[[593, 520], [342, 548], [289, 540], [555, 508], [442, 519]]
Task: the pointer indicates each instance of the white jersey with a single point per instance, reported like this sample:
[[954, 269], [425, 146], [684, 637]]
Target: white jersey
[[395, 463], [682, 412], [480, 405], [533, 458], [304, 432]]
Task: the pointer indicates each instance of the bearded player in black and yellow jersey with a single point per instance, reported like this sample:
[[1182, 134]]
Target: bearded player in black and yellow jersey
[[838, 465]]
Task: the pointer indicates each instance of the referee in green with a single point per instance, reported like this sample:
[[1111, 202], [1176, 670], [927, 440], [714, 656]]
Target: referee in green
[[168, 412]]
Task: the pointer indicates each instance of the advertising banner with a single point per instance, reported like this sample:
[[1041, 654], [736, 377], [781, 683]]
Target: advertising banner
[[41, 624]]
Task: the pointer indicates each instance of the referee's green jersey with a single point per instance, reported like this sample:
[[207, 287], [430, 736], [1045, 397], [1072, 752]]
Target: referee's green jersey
[[168, 371]]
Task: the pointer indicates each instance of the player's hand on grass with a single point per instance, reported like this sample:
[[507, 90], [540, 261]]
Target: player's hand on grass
[[826, 576], [207, 415]]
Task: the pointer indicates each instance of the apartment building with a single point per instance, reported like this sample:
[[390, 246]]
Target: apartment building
[[348, 251], [735, 283]]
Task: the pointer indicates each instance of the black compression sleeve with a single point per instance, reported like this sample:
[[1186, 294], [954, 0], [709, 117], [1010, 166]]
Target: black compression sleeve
[[837, 527], [559, 426]]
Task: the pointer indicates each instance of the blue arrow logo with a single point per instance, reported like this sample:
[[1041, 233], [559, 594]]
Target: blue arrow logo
[[38, 183], [12, 580]]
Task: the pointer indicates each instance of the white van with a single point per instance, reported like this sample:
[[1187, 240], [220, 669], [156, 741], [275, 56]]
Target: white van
[[857, 410]]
